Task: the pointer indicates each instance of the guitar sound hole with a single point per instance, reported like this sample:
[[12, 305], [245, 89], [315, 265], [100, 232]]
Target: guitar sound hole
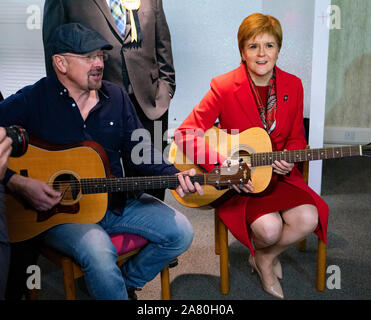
[[242, 154], [68, 185]]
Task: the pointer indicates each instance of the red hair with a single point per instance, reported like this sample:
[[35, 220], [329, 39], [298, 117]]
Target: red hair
[[257, 24]]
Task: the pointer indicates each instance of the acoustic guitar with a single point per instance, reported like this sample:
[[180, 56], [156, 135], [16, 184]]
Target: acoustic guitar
[[81, 173], [255, 148]]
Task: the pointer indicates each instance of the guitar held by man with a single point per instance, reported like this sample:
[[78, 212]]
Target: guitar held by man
[[80, 173]]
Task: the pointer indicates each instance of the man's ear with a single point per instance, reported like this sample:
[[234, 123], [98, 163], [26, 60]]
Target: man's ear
[[60, 63]]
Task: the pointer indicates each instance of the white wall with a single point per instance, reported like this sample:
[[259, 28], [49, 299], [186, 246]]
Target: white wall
[[318, 90], [204, 38], [296, 17], [21, 51], [204, 42]]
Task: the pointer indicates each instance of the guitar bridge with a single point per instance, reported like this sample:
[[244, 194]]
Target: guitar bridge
[[45, 215]]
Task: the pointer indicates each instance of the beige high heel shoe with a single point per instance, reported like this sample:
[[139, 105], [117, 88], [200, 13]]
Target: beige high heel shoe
[[274, 289], [277, 269]]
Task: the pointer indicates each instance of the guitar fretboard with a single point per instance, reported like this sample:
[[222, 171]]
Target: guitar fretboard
[[267, 158], [102, 185]]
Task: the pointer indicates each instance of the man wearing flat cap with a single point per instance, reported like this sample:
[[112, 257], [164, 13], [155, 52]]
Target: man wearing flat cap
[[74, 105], [141, 60]]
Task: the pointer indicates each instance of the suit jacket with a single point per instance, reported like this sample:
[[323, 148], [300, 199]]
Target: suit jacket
[[230, 99], [149, 65]]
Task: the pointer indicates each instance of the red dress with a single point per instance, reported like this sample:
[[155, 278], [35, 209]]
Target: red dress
[[282, 196], [231, 101]]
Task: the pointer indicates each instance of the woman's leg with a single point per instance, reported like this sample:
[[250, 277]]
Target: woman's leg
[[299, 222], [266, 231]]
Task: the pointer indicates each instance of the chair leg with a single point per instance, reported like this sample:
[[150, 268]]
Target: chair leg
[[224, 267], [32, 294], [302, 245], [165, 284], [321, 265], [216, 233], [68, 278]]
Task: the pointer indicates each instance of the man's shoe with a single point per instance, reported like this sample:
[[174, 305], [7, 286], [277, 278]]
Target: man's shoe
[[131, 293], [173, 263]]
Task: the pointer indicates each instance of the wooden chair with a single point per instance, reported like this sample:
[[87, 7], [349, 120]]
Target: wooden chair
[[321, 250], [126, 244], [221, 249]]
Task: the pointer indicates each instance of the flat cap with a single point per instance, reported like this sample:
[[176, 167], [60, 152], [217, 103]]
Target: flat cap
[[77, 38]]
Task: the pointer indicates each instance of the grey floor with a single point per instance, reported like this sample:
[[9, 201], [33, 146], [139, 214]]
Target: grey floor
[[346, 189]]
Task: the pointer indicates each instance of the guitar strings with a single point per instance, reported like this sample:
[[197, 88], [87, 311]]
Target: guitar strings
[[128, 181], [257, 159], [131, 183], [266, 158]]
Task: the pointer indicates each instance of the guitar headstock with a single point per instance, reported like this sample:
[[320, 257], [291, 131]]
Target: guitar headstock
[[225, 177], [366, 150]]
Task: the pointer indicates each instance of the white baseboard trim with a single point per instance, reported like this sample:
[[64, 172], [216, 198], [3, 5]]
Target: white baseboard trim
[[347, 135]]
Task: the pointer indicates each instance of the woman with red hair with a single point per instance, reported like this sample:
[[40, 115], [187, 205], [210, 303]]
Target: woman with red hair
[[259, 94]]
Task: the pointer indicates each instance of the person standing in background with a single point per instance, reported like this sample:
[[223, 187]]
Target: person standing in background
[[141, 60]]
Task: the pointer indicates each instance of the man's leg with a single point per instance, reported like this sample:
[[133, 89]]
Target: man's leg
[[91, 247], [168, 231], [4, 247]]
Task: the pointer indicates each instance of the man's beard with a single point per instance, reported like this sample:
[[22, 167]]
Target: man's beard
[[95, 78]]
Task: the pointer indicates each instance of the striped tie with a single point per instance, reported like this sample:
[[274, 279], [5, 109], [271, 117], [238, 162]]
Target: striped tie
[[119, 14]]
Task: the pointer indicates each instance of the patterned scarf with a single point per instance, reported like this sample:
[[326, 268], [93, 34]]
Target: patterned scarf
[[268, 113]]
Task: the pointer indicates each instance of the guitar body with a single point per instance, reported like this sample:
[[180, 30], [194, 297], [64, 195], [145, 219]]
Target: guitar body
[[242, 145], [50, 165]]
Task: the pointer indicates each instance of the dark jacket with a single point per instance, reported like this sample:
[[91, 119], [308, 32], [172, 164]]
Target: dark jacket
[[149, 65]]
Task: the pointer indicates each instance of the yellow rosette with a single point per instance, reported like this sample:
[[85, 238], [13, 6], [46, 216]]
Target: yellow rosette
[[131, 5]]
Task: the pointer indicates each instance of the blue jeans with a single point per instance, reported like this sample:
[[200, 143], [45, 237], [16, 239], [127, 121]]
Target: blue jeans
[[168, 231]]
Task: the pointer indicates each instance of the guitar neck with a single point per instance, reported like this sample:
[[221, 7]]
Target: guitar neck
[[104, 185], [267, 158]]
